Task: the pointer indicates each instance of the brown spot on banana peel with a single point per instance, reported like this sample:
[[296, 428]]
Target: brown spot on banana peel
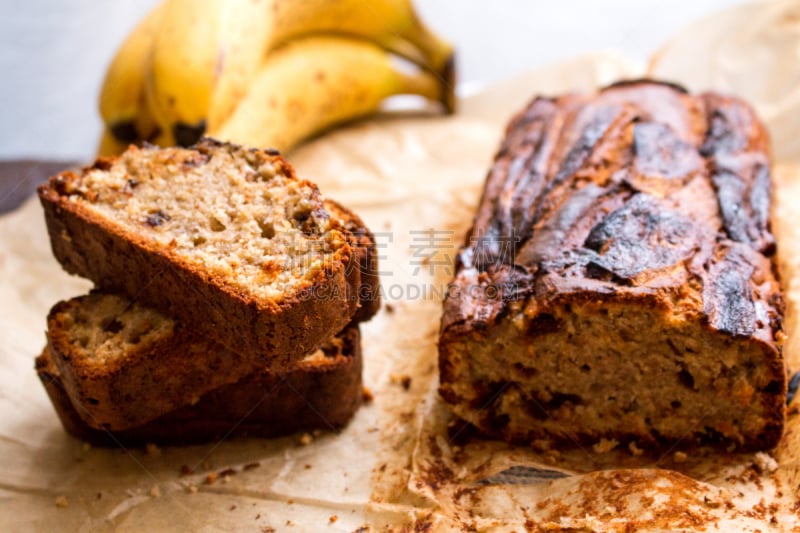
[[448, 80], [188, 134]]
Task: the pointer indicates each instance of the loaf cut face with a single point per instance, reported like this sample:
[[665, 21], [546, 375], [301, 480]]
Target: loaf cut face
[[222, 237], [618, 281], [323, 392]]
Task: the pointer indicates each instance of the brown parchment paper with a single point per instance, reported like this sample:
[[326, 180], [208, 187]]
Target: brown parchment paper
[[415, 181]]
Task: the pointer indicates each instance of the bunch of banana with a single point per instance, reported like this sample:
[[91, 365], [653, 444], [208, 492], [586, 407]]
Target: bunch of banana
[[267, 72]]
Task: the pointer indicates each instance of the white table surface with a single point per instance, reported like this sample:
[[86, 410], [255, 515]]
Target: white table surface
[[53, 53]]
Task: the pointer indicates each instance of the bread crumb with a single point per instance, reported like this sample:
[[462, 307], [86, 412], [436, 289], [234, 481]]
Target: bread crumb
[[267, 529], [680, 457], [225, 479], [152, 450], [634, 449], [765, 462], [250, 466], [308, 467], [389, 308], [211, 478], [366, 395], [155, 492], [402, 379], [192, 489], [306, 438], [605, 445], [186, 470], [333, 518], [232, 507], [62, 502], [289, 523]]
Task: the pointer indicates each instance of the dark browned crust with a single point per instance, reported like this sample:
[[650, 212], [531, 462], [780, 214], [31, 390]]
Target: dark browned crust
[[119, 261], [641, 193], [314, 396], [363, 242]]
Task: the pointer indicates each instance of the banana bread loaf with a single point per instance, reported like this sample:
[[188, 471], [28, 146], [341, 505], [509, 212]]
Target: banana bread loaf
[[618, 280], [221, 237], [324, 391]]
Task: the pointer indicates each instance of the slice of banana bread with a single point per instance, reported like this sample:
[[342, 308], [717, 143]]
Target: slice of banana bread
[[225, 238], [124, 363], [618, 281], [323, 391]]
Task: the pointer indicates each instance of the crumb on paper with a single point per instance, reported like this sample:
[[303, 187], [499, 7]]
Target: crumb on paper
[[605, 445], [289, 523], [232, 507], [765, 462], [155, 491], [62, 502], [367, 396], [306, 438], [634, 449], [211, 478], [389, 308], [403, 380], [251, 466], [333, 518], [228, 472], [225, 479], [192, 489], [152, 450], [308, 466], [267, 529], [680, 457], [186, 470]]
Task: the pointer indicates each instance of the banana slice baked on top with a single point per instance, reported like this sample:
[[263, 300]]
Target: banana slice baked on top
[[618, 281], [222, 237]]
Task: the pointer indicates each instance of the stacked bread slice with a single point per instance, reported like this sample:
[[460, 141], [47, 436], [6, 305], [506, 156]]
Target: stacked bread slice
[[227, 298]]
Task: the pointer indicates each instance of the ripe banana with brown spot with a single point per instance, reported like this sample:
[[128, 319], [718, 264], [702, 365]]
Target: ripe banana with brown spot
[[208, 52], [123, 105], [311, 84]]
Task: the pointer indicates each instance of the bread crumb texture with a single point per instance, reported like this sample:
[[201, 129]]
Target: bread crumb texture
[[237, 213]]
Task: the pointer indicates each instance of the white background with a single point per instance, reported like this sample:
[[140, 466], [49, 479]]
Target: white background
[[53, 53]]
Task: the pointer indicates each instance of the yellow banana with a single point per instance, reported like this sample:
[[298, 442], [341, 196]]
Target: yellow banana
[[204, 58], [314, 83], [207, 52], [122, 97]]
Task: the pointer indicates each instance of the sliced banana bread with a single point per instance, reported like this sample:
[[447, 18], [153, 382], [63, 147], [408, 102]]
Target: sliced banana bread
[[224, 238], [124, 363], [324, 391], [618, 281]]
